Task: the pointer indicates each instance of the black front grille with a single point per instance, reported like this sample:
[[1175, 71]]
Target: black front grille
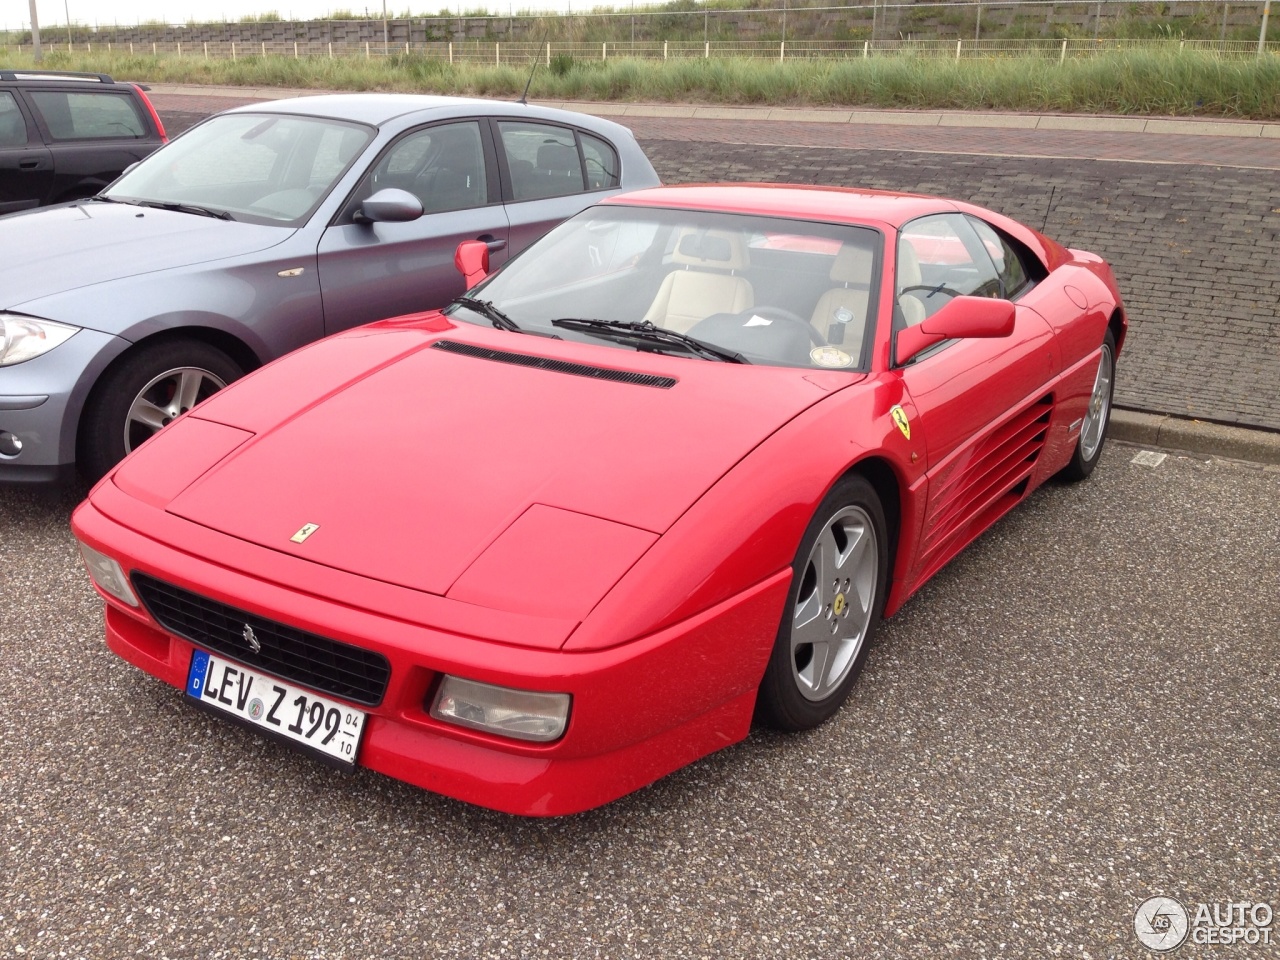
[[324, 665], [556, 366]]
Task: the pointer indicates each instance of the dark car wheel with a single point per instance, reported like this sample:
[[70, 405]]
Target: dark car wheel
[[142, 393], [1093, 428], [834, 605]]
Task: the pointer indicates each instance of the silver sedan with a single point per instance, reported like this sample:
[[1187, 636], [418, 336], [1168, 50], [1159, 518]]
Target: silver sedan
[[257, 231]]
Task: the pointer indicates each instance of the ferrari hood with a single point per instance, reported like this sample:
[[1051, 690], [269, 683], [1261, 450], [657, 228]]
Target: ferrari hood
[[410, 472], [57, 249]]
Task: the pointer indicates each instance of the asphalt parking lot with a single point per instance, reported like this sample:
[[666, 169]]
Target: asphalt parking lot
[[1079, 713]]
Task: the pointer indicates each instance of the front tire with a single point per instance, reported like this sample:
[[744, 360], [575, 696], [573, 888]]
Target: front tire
[[142, 394], [1093, 428], [834, 605]]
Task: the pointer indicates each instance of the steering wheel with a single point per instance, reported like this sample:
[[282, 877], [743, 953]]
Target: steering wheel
[[940, 288], [778, 313]]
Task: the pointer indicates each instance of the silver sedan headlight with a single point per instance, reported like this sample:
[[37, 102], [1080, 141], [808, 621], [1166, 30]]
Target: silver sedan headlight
[[22, 338]]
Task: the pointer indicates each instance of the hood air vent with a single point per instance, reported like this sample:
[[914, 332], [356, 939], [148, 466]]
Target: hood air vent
[[556, 366]]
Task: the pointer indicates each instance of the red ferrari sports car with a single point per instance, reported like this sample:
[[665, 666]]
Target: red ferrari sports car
[[663, 472]]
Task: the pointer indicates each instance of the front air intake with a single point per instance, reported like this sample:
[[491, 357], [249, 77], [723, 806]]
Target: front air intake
[[555, 366], [329, 666]]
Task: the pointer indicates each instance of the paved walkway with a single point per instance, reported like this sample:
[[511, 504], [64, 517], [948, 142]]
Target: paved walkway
[[1227, 143], [1187, 213]]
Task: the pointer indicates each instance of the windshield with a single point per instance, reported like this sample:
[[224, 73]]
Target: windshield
[[765, 289], [257, 167]]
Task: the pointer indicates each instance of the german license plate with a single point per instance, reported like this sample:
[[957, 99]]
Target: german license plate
[[329, 728]]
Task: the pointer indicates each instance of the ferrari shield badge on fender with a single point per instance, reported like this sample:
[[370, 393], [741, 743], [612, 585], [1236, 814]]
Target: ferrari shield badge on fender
[[307, 530], [900, 418]]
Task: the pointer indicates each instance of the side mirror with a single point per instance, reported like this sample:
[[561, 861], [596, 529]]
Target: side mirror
[[961, 317], [391, 205], [472, 261]]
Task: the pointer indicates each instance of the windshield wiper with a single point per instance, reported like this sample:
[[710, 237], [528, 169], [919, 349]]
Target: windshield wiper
[[646, 334], [487, 310], [185, 208]]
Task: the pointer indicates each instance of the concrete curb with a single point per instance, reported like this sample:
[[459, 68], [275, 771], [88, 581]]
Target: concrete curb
[[1198, 127], [1195, 436]]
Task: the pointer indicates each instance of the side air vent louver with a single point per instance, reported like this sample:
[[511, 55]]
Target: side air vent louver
[[556, 366], [989, 481]]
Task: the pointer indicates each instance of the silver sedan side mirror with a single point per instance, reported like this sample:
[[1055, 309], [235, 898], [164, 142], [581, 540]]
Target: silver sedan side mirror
[[391, 205]]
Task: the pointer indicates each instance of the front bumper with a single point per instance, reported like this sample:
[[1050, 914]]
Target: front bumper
[[41, 400], [640, 710]]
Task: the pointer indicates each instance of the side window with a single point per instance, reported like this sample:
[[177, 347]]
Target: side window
[[89, 116], [941, 257], [443, 166], [543, 160], [13, 129], [1011, 262], [601, 163]]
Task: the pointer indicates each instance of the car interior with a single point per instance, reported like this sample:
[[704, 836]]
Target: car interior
[[758, 288]]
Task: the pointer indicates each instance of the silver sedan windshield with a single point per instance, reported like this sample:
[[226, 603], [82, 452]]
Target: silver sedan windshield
[[759, 289], [258, 167]]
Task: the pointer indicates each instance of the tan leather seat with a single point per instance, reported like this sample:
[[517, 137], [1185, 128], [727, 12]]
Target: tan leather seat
[[707, 284], [841, 313], [913, 309]]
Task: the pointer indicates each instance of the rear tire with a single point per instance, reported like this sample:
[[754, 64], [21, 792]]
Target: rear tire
[[139, 395], [1093, 428], [834, 605]]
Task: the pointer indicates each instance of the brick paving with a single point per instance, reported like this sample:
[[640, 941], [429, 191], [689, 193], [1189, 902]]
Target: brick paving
[[1191, 224]]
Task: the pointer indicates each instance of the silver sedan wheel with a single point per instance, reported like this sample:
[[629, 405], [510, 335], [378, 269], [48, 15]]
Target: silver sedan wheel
[[166, 397], [1095, 419], [834, 603]]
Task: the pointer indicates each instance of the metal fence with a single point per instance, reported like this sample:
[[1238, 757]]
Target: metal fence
[[523, 52], [753, 21]]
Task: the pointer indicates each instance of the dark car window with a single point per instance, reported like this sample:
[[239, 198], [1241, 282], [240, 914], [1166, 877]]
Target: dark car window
[[543, 160], [443, 166], [601, 163], [88, 116], [13, 129], [1011, 263]]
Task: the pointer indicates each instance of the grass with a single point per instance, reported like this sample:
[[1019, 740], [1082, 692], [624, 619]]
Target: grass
[[1134, 82]]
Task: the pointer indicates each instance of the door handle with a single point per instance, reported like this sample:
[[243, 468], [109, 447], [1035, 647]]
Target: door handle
[[493, 243], [28, 164]]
